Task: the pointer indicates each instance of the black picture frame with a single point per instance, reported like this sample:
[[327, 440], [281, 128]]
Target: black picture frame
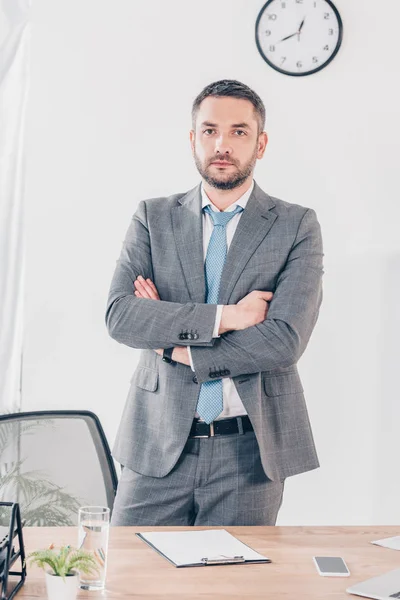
[[304, 74]]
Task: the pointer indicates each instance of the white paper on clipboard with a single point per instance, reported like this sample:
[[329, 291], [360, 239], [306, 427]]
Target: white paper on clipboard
[[201, 548]]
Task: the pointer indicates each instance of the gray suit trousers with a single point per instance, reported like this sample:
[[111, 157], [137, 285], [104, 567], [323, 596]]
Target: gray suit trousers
[[216, 481]]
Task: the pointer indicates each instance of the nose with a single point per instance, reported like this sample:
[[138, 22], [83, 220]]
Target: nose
[[222, 145]]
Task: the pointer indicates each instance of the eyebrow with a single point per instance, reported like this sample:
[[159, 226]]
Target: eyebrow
[[209, 124]]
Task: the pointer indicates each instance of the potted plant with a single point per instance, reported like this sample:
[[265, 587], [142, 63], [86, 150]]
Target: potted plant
[[62, 569]]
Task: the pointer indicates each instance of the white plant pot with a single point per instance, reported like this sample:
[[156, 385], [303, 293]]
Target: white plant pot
[[61, 589]]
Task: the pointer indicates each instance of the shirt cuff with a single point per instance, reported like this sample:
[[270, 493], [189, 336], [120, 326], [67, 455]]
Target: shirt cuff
[[190, 358], [218, 318]]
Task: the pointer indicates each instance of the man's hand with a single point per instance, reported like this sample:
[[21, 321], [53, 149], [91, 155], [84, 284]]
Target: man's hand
[[250, 310], [253, 308], [145, 288]]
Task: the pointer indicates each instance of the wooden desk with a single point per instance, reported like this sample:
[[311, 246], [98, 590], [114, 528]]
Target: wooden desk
[[138, 572]]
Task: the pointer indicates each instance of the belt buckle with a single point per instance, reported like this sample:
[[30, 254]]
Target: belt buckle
[[212, 434]]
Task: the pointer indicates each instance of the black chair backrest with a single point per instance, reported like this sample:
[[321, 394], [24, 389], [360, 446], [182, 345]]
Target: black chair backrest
[[53, 462]]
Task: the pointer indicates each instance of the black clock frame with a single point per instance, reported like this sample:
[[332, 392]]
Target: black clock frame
[[325, 64]]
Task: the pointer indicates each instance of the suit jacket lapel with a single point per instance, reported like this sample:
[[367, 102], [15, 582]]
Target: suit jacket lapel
[[187, 222], [254, 224]]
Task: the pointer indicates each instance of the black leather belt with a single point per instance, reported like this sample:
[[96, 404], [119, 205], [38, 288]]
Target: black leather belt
[[200, 429]]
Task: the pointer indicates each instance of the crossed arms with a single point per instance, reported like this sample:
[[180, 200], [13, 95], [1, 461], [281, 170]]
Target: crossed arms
[[278, 341]]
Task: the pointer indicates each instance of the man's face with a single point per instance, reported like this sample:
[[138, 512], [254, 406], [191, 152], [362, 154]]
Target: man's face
[[227, 131]]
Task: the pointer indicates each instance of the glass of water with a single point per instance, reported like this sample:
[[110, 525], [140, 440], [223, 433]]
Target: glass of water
[[93, 530]]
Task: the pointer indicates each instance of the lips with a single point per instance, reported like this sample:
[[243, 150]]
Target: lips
[[221, 163]]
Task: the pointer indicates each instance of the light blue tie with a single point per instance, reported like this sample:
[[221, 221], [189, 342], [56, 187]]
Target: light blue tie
[[210, 402]]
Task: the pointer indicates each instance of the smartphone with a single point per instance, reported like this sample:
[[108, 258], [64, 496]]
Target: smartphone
[[331, 566]]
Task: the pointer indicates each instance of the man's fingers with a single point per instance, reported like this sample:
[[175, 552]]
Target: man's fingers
[[146, 288], [266, 295], [145, 292], [151, 284], [141, 293]]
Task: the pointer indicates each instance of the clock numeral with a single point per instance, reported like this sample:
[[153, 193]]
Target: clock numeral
[[272, 17], [283, 4], [272, 48], [315, 5], [314, 59], [327, 15], [330, 31], [299, 64], [283, 58], [268, 32], [326, 47]]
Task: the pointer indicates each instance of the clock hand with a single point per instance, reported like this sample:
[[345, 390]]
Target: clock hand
[[287, 37], [299, 31], [293, 34]]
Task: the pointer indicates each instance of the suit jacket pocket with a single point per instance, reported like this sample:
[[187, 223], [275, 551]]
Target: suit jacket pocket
[[145, 378], [283, 383]]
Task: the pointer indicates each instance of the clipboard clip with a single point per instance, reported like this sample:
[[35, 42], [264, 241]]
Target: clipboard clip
[[223, 560]]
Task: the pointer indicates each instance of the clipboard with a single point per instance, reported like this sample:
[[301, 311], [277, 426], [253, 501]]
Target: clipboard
[[202, 548]]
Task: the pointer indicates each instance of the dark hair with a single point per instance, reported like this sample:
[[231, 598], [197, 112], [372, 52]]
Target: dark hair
[[234, 89]]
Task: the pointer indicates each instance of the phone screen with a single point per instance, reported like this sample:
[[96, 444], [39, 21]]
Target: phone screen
[[331, 564]]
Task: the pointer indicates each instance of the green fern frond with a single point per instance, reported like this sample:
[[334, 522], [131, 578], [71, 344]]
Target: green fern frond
[[60, 560], [83, 561], [64, 561], [42, 558]]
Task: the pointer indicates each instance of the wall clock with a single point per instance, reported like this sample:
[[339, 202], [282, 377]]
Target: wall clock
[[298, 37]]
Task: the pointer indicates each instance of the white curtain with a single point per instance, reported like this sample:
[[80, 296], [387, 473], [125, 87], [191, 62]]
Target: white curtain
[[14, 80]]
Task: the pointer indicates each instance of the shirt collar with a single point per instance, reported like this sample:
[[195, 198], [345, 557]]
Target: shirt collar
[[242, 201]]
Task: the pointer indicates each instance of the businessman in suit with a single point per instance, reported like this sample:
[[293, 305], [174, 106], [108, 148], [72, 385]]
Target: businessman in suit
[[220, 287]]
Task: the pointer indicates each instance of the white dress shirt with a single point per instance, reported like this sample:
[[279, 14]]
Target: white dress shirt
[[233, 406]]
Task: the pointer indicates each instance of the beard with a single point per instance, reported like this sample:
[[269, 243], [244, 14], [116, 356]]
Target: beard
[[221, 180]]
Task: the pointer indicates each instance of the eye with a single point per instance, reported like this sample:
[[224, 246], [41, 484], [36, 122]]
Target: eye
[[240, 131], [208, 130]]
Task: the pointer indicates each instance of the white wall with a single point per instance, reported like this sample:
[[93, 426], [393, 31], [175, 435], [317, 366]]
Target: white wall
[[112, 86]]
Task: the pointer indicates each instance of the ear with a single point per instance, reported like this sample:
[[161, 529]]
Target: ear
[[262, 144], [192, 136]]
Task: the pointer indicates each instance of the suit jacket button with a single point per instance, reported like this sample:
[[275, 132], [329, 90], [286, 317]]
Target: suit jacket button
[[195, 379], [180, 336], [196, 336], [190, 336], [226, 372]]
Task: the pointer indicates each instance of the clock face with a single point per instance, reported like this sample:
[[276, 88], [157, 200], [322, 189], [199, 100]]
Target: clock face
[[298, 37]]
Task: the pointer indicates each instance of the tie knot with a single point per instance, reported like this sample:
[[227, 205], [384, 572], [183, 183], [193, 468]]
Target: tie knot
[[222, 218]]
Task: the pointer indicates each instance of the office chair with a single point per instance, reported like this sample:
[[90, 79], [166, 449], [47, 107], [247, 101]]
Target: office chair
[[53, 462]]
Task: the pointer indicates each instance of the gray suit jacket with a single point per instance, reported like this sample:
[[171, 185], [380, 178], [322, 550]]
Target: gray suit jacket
[[277, 247]]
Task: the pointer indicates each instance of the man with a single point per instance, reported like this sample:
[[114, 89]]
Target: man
[[220, 287]]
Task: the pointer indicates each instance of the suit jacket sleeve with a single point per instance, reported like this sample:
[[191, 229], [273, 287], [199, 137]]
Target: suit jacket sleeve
[[281, 339], [215, 332], [142, 322]]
